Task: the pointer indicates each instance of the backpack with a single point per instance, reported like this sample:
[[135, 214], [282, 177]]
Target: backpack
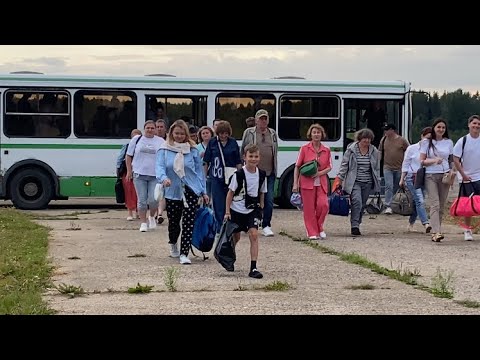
[[204, 230], [241, 191], [402, 202], [123, 166]]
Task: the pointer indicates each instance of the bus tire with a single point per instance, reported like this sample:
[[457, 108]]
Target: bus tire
[[31, 189], [287, 185]]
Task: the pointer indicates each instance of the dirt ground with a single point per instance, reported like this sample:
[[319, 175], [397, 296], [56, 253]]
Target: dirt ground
[[94, 247]]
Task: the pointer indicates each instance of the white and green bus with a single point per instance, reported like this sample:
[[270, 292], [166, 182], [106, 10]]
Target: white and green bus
[[60, 135]]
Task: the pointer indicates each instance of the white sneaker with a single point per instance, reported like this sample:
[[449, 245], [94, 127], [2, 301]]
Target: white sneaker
[[468, 235], [313, 237], [143, 227], [174, 253], [184, 260], [129, 218], [323, 235], [388, 211], [152, 223], [410, 228], [267, 231]]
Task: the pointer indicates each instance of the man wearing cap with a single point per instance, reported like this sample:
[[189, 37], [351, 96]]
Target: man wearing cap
[[266, 140], [392, 149]]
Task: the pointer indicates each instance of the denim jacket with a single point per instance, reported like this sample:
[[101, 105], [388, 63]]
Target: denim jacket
[[194, 177]]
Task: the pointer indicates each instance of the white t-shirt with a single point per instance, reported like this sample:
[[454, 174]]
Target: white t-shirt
[[411, 159], [252, 184], [471, 157], [145, 154], [443, 148]]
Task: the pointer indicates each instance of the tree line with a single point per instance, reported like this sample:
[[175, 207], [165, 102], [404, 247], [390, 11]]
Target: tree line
[[455, 107]]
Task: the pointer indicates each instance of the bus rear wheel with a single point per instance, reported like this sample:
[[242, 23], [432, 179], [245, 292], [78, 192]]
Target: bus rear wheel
[[31, 189], [287, 185]]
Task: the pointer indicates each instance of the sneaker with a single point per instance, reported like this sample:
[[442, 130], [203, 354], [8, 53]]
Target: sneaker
[[129, 218], [437, 237], [388, 211], [255, 274], [184, 260], [174, 253], [313, 238], [323, 236], [152, 223], [160, 220], [410, 228], [267, 231], [143, 227], [356, 231], [428, 228], [468, 235]]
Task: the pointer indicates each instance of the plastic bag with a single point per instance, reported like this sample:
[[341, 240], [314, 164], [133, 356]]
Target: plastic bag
[[158, 193], [224, 250]]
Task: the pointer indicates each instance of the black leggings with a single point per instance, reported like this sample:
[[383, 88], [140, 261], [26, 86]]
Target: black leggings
[[176, 212]]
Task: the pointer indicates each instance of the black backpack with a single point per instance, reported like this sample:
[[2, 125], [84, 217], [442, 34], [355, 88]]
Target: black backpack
[[123, 166], [250, 201]]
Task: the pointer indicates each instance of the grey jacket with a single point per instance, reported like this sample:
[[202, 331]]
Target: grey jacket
[[250, 137], [348, 168]]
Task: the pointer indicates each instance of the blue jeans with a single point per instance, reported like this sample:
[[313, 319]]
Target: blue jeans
[[419, 199], [268, 209], [145, 187], [392, 178]]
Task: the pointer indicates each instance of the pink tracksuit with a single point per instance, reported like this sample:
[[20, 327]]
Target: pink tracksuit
[[315, 198]]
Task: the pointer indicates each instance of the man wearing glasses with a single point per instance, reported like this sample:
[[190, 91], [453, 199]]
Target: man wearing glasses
[[266, 140]]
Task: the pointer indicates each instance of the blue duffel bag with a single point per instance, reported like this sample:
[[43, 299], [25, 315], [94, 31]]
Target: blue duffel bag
[[339, 203]]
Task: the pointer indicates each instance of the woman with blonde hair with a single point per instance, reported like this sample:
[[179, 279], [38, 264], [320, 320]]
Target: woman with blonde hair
[[314, 188], [179, 168], [204, 135]]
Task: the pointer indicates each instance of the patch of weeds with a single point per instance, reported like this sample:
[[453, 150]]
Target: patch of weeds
[[70, 290], [277, 286], [469, 303], [74, 227], [170, 278], [140, 289], [73, 258], [442, 286], [361, 287], [137, 256]]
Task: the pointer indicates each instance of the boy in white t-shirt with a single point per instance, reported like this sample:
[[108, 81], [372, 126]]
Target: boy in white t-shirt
[[466, 153], [245, 202]]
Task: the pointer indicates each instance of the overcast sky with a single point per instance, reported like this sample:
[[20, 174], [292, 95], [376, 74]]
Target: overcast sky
[[427, 67]]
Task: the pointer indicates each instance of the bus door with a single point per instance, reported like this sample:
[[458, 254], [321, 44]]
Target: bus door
[[372, 113]]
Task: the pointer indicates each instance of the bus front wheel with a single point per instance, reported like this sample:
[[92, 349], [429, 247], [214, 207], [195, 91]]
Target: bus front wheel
[[31, 189]]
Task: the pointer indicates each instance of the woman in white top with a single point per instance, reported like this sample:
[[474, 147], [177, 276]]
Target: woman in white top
[[410, 165], [140, 161], [436, 154]]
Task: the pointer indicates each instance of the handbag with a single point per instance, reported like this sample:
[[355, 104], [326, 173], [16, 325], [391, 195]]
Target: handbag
[[228, 171], [119, 191], [466, 205], [449, 177], [339, 203], [375, 205], [402, 202], [419, 178], [309, 168]]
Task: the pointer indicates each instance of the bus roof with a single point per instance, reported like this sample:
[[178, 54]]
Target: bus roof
[[172, 83]]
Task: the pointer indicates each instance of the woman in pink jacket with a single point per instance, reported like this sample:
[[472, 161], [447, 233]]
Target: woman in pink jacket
[[314, 189]]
